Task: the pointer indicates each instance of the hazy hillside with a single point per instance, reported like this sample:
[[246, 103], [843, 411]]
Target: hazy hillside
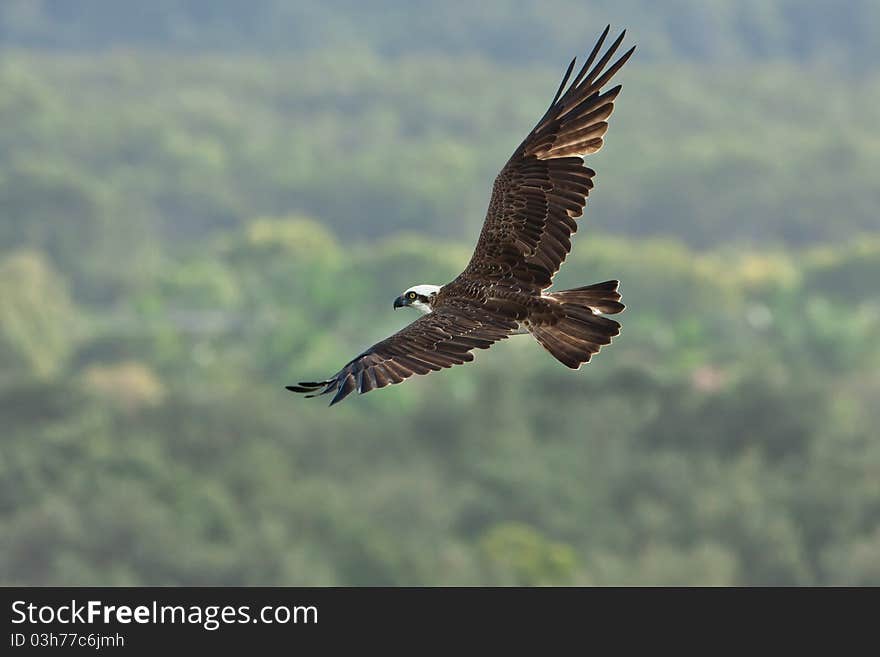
[[144, 153], [511, 31]]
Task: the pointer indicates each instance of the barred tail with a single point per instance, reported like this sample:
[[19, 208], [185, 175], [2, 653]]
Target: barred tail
[[601, 297], [581, 331]]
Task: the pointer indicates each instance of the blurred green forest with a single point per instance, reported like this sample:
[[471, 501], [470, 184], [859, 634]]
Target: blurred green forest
[[200, 204]]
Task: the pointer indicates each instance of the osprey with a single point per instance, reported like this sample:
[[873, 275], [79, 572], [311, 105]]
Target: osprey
[[526, 236]]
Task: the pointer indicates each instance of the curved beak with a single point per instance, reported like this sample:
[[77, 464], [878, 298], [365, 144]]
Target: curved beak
[[399, 302]]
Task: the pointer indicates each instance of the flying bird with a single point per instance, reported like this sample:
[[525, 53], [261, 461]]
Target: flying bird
[[536, 200]]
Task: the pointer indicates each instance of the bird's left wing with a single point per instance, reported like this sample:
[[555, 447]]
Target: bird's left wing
[[543, 188], [433, 342]]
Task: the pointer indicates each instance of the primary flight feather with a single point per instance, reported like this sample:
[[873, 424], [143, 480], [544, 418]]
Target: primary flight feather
[[536, 200]]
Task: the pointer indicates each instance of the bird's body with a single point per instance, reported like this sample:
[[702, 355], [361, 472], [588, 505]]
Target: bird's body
[[526, 236]]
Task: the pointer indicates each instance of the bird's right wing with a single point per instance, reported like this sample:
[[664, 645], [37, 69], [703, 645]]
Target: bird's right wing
[[544, 186], [433, 342]]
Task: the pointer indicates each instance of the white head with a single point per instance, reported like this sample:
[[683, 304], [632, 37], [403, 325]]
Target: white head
[[418, 297]]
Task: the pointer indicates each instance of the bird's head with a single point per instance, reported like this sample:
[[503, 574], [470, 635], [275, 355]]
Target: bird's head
[[418, 297]]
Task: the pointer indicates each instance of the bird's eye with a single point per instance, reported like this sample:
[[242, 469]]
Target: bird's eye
[[411, 295]]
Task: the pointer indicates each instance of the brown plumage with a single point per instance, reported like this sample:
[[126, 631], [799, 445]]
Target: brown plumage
[[536, 200]]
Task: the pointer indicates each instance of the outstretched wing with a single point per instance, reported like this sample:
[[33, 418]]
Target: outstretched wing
[[433, 342], [544, 186]]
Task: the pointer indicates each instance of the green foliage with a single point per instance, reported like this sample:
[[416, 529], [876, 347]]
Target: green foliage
[[109, 161], [700, 449], [38, 323], [527, 558]]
